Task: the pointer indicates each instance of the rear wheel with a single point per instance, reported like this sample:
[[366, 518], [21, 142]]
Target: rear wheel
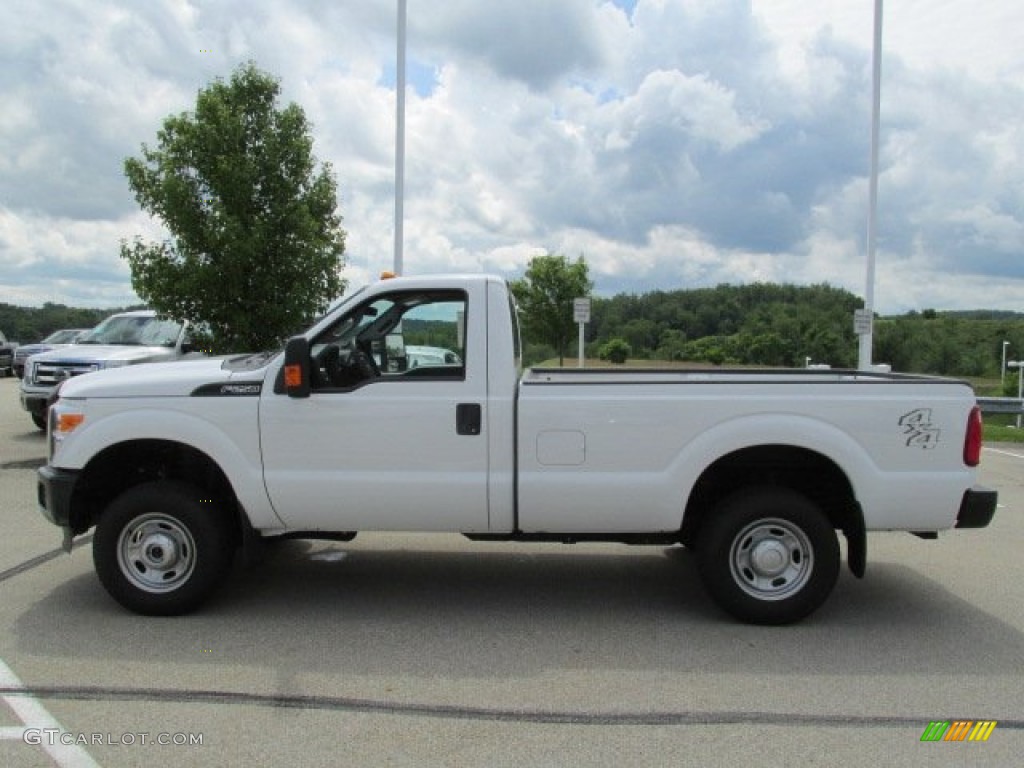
[[160, 549], [768, 556]]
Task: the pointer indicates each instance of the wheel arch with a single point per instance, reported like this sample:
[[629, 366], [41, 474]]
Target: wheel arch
[[809, 472], [129, 463]]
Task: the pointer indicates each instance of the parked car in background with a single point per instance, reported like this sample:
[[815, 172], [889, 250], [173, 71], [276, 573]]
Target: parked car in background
[[62, 338], [123, 339], [430, 356], [6, 354]]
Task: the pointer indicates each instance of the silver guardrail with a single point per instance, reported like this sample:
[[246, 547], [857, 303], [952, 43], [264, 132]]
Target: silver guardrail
[[1001, 404]]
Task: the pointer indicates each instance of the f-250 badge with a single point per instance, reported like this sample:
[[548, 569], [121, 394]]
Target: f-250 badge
[[917, 426]]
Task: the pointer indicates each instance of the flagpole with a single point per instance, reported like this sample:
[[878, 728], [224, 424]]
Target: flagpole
[[866, 339], [400, 140]]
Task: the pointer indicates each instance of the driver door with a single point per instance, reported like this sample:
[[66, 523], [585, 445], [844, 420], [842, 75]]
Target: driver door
[[388, 449]]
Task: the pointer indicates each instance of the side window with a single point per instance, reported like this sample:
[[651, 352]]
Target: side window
[[431, 336], [402, 336]]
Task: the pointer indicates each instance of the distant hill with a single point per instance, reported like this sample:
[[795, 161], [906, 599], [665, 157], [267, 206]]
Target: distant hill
[[27, 325], [789, 325], [757, 324]]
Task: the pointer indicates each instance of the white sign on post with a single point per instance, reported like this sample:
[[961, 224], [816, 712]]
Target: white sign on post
[[581, 310], [581, 314], [862, 321]]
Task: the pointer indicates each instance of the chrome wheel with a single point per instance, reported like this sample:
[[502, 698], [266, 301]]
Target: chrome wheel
[[156, 553]]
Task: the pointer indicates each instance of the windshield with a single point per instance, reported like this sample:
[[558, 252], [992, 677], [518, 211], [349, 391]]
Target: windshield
[[134, 330], [65, 336]]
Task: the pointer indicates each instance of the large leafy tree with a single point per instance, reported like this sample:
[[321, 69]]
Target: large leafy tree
[[545, 295], [256, 245]]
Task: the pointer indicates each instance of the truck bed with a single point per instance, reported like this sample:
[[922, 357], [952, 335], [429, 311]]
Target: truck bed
[[620, 450]]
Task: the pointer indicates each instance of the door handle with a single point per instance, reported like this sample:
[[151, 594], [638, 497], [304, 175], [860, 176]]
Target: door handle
[[467, 418]]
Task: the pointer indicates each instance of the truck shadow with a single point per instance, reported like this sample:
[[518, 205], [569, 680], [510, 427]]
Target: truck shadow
[[515, 612]]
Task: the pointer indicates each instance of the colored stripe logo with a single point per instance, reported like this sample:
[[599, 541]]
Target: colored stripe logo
[[959, 730]]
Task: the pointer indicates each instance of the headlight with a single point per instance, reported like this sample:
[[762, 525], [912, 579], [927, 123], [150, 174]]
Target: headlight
[[65, 417]]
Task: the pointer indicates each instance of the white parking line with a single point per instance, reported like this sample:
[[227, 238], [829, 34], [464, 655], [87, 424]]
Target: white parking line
[[37, 720], [1006, 453]]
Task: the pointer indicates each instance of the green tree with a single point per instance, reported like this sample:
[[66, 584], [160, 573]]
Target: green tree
[[256, 244], [545, 295], [615, 351]]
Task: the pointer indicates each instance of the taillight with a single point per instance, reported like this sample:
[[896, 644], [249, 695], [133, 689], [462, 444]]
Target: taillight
[[972, 440]]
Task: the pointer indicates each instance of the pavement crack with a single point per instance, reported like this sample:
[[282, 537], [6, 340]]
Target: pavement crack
[[492, 714]]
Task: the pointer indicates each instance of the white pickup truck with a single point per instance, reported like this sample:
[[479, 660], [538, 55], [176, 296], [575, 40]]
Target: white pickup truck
[[179, 464]]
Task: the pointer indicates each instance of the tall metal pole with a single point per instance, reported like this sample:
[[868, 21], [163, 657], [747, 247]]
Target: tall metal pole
[[400, 142], [866, 339]]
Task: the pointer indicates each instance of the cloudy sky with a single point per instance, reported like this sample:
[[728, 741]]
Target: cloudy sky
[[673, 143]]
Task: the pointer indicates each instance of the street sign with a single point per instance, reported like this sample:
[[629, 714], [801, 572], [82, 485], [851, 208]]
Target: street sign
[[862, 321], [581, 310]]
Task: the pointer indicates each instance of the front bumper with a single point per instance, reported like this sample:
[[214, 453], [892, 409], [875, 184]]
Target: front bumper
[[54, 489], [977, 508], [35, 402]]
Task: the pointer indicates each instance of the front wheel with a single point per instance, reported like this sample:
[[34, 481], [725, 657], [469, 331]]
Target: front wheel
[[161, 550], [768, 556]]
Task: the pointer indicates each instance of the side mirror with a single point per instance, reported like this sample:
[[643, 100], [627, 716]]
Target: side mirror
[[394, 346], [296, 367]]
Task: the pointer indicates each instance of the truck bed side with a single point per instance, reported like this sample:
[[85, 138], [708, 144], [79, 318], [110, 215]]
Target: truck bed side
[[622, 451]]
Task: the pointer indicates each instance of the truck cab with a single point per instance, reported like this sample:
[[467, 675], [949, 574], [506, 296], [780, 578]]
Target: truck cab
[[441, 445]]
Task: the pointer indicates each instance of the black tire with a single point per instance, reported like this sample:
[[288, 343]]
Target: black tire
[[39, 419], [160, 549], [768, 556]]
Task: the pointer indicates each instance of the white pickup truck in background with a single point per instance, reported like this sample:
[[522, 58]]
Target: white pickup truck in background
[[127, 338], [756, 471]]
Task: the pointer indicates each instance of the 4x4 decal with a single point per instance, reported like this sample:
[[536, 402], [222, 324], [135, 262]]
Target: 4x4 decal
[[917, 426]]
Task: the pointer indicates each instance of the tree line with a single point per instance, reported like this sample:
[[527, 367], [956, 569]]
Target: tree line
[[27, 325], [761, 324]]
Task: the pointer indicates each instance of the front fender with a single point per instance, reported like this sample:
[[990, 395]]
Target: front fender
[[204, 427]]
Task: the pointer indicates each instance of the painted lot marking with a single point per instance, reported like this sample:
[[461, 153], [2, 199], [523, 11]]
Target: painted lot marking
[[35, 717], [1006, 453]]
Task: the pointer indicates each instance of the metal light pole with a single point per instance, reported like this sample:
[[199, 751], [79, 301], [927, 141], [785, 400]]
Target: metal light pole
[[1002, 369], [866, 339], [400, 141]]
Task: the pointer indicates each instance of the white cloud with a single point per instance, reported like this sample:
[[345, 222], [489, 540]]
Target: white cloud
[[675, 143], [68, 261]]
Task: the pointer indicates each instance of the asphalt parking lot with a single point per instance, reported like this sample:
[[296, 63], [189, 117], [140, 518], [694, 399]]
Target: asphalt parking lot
[[436, 651]]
